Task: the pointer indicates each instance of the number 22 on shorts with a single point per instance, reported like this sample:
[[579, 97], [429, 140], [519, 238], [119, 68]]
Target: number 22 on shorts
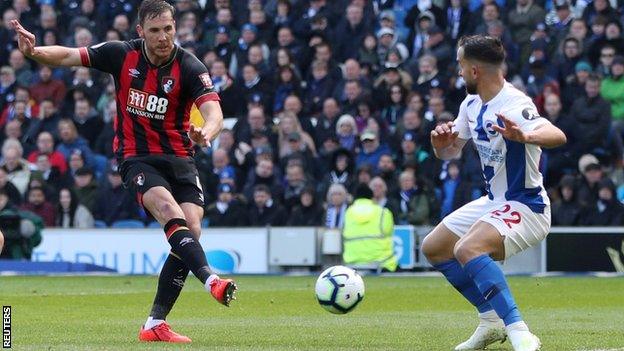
[[507, 216]]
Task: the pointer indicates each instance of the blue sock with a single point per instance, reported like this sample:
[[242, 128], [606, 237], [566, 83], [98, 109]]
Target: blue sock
[[492, 284], [458, 278]]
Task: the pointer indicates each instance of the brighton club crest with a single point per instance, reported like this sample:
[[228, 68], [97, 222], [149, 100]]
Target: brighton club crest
[[167, 84]]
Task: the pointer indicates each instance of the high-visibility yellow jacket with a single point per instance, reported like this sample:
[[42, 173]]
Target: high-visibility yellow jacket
[[367, 235]]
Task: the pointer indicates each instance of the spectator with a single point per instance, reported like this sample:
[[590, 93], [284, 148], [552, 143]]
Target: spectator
[[227, 210], [395, 108], [320, 87], [114, 202], [371, 150], [612, 90], [367, 232], [342, 167], [21, 229], [576, 87], [88, 123], [337, 200], [21, 67], [288, 125], [265, 211], [11, 191], [70, 140], [455, 191], [350, 32], [380, 195], [522, 21], [346, 130], [48, 87], [607, 210], [86, 188], [565, 210], [70, 213], [563, 66], [287, 83], [560, 160], [264, 173], [7, 86], [45, 146], [587, 187], [413, 203], [387, 170], [46, 121], [327, 120], [13, 163], [36, 203], [592, 115], [307, 212], [295, 183], [47, 174]]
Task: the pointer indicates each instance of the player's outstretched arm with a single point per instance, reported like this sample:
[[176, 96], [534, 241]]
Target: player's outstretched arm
[[213, 123], [446, 144], [47, 55], [545, 135]]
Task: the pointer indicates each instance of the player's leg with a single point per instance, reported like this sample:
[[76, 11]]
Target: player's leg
[[477, 252], [1, 241], [438, 247]]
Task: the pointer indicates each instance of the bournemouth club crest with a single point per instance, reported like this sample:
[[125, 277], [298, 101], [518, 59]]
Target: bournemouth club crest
[[139, 179], [167, 84]]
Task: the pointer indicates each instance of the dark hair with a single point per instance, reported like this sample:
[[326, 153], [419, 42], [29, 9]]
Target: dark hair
[[262, 188], [483, 48], [363, 191], [150, 9], [73, 205], [593, 77]]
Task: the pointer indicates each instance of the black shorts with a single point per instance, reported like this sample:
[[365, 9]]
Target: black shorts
[[178, 175]]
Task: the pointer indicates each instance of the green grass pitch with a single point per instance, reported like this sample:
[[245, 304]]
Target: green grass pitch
[[281, 313]]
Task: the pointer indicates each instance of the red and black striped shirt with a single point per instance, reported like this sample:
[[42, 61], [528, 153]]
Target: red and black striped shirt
[[153, 102]]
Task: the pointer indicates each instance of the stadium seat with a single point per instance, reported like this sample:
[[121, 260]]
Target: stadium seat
[[128, 223], [100, 224], [153, 224]]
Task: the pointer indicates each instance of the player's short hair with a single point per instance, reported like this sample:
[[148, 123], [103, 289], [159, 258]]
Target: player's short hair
[[483, 48], [150, 9]]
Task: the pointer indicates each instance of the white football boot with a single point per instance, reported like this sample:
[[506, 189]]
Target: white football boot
[[524, 340], [490, 330]]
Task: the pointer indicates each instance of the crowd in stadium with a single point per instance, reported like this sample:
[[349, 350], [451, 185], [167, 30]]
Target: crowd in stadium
[[326, 94]]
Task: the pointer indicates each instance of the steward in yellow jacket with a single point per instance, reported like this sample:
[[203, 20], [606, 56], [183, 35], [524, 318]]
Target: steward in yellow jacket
[[367, 232]]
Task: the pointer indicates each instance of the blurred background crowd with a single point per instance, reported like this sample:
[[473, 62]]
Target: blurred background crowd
[[321, 96]]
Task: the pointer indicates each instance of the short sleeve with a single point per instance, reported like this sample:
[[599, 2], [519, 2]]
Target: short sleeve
[[198, 83], [106, 57], [461, 122], [525, 115]]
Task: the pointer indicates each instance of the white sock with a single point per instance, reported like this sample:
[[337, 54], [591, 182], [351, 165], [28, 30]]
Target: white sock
[[151, 322], [489, 316], [210, 280], [517, 326]]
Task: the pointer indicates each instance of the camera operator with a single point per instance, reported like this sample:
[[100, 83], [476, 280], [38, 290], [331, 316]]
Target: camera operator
[[22, 230]]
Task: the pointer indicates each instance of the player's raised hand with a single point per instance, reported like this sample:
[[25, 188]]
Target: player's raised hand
[[25, 39], [510, 129], [443, 135], [199, 136]]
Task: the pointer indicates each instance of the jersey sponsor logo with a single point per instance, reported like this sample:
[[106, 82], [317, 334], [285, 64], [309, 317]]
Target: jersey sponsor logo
[[205, 79], [168, 84], [489, 128], [139, 179], [134, 73], [530, 114], [147, 105]]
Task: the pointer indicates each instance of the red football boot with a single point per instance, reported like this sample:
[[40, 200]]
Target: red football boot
[[223, 290], [163, 333]]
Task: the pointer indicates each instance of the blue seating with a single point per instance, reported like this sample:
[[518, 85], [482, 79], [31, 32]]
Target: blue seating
[[205, 222], [128, 223], [100, 224], [153, 224]]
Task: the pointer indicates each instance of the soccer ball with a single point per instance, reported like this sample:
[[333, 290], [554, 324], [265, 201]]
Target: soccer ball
[[339, 289]]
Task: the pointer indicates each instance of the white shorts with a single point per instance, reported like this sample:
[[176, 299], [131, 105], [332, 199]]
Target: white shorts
[[520, 227]]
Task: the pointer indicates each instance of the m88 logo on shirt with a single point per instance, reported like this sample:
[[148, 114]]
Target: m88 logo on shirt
[[146, 105]]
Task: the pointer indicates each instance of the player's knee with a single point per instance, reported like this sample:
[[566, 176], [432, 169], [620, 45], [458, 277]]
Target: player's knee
[[464, 251], [169, 210], [430, 250], [195, 228]]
